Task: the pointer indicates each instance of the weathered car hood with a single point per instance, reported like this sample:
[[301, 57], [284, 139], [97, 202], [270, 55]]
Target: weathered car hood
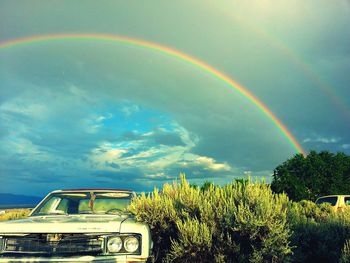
[[64, 224]]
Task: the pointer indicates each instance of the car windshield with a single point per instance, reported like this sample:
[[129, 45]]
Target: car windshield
[[66, 203], [332, 200]]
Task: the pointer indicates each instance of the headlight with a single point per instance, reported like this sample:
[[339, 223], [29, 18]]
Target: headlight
[[114, 244], [131, 244]]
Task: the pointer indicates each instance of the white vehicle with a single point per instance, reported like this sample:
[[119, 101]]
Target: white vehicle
[[338, 202], [78, 225]]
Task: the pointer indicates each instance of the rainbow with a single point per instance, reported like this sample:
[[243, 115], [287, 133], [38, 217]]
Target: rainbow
[[171, 53], [298, 61]]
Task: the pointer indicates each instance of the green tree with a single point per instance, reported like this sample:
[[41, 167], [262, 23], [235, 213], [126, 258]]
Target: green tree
[[314, 175]]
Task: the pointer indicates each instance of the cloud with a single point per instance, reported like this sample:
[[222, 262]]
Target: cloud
[[163, 137], [130, 109], [326, 143], [24, 107], [326, 140], [98, 143], [24, 149], [87, 107], [113, 165], [211, 165], [94, 123], [156, 160]]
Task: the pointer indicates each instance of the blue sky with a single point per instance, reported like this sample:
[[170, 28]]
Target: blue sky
[[95, 114]]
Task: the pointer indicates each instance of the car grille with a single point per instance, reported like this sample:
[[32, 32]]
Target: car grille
[[54, 244]]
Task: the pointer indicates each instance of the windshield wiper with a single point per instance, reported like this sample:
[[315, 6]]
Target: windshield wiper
[[117, 211], [58, 213], [86, 212], [51, 213]]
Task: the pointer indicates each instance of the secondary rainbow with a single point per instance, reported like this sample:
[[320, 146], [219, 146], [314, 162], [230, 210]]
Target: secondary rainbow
[[297, 60], [172, 53]]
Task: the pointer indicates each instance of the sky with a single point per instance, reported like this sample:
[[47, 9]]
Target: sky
[[100, 112]]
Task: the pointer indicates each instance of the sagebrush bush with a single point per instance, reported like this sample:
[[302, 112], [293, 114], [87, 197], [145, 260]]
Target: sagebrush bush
[[305, 211], [14, 214], [194, 244], [256, 223], [345, 255], [159, 212], [240, 222], [319, 233]]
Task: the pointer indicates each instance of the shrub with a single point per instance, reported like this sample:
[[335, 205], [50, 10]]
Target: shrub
[[14, 214], [319, 233], [307, 211], [195, 242], [240, 222], [158, 210], [345, 256]]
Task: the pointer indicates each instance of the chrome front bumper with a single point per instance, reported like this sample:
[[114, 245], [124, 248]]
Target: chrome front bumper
[[107, 259]]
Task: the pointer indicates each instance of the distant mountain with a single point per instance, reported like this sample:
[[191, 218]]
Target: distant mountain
[[21, 200]]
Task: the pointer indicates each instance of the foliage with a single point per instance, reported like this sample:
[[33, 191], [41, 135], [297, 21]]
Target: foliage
[[158, 210], [14, 214], [239, 222], [319, 233], [312, 176], [345, 256], [207, 185], [307, 211]]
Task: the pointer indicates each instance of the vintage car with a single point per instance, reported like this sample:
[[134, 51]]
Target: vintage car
[[77, 225]]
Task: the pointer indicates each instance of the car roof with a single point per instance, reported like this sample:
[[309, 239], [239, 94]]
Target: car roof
[[331, 196]]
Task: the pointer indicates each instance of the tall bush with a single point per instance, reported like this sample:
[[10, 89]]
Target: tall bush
[[319, 233], [240, 222], [345, 256]]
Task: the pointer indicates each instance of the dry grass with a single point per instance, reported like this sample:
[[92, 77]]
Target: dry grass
[[11, 214]]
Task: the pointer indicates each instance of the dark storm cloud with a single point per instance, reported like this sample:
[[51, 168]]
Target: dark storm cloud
[[158, 136], [130, 135], [113, 165], [122, 176], [167, 138], [35, 173], [132, 152], [128, 180], [63, 110]]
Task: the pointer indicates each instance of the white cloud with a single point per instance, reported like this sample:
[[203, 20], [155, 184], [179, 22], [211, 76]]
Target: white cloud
[[155, 161], [24, 107], [160, 175], [94, 123], [211, 164], [104, 154], [130, 110], [25, 149], [325, 140], [78, 92], [189, 139]]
